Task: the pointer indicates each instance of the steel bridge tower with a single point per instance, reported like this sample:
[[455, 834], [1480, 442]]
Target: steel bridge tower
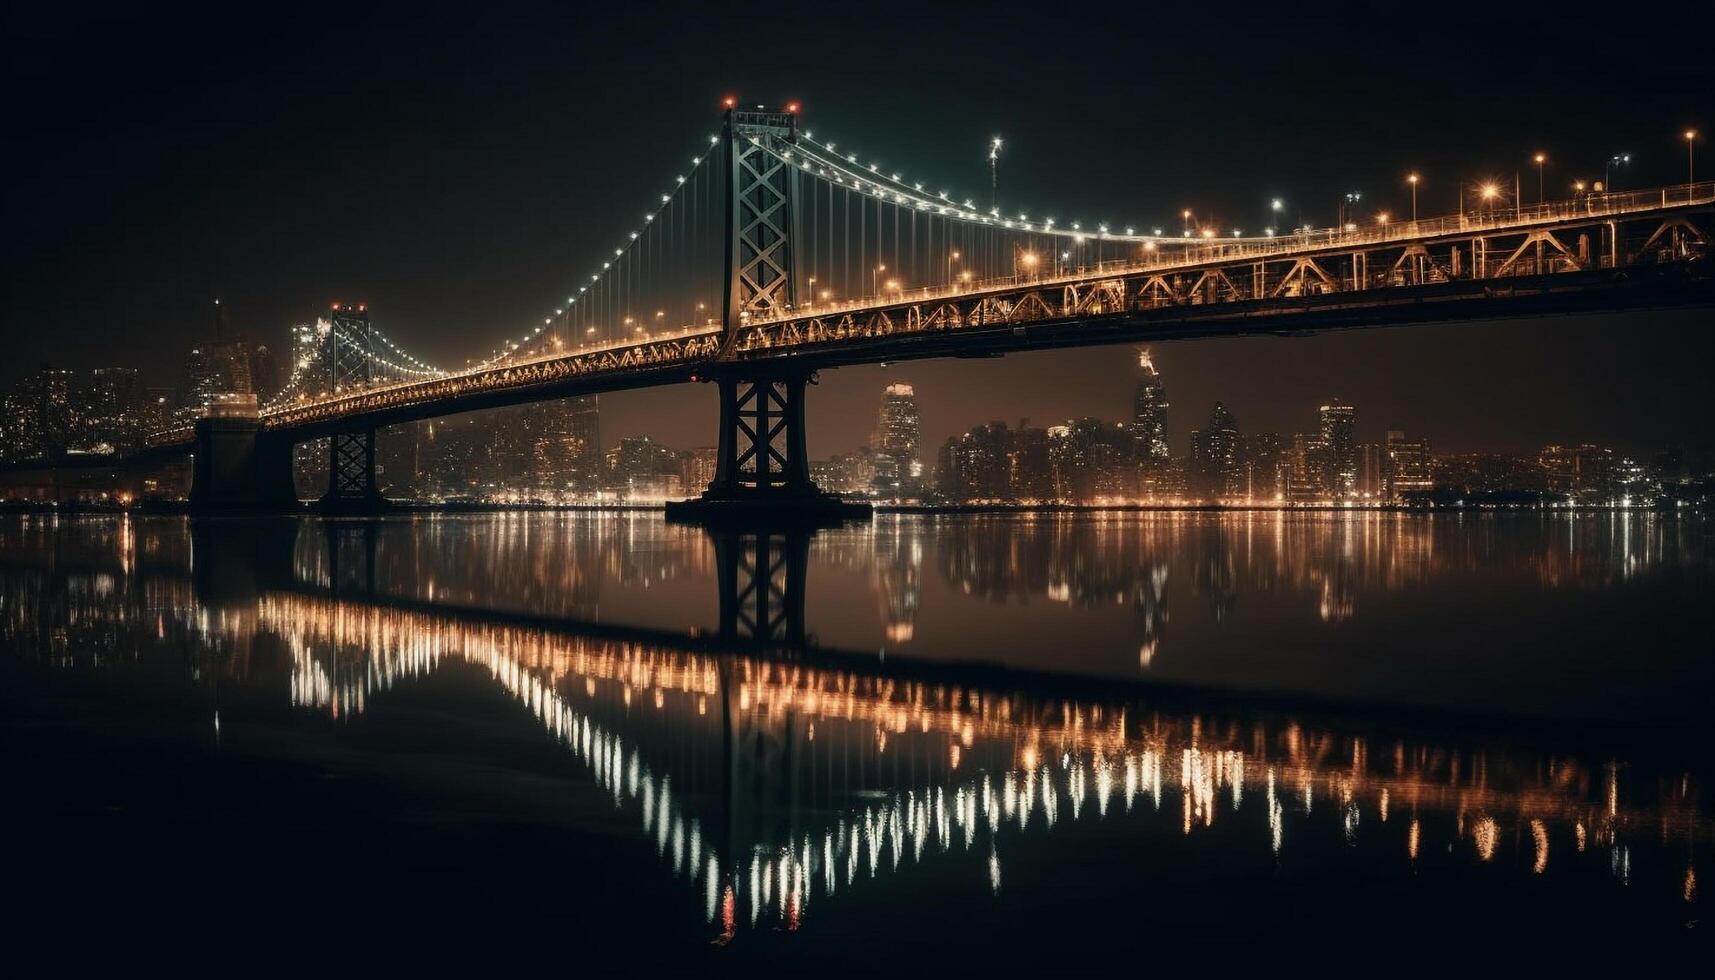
[[762, 466], [351, 455]]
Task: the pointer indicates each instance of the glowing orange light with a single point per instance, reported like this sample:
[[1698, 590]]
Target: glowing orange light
[[792, 107], [730, 101]]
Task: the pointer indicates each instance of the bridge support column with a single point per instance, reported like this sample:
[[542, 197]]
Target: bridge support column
[[762, 469], [351, 475], [240, 468]]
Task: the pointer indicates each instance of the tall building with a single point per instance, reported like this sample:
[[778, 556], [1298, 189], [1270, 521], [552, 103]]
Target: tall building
[[566, 448], [1339, 421], [1263, 467], [39, 417], [1304, 466], [977, 465], [199, 381], [697, 468], [112, 406], [1149, 413], [1407, 466], [1215, 470], [898, 438], [1091, 461]]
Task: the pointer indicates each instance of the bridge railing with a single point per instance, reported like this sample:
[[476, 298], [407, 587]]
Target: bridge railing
[[1169, 254], [492, 367]]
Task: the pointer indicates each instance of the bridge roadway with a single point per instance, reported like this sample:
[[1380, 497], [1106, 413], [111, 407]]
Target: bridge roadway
[[1469, 267]]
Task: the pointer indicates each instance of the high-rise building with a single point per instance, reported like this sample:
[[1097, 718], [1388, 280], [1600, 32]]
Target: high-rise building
[[1406, 466], [1263, 467], [697, 468], [199, 381], [1215, 470], [1091, 461], [1339, 421], [38, 411], [111, 411], [1304, 464], [566, 446], [898, 438], [1149, 413]]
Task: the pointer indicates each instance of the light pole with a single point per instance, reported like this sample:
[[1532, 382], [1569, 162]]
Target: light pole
[[1412, 180], [952, 257], [1691, 156], [1614, 162], [1539, 160], [1186, 215], [875, 279]]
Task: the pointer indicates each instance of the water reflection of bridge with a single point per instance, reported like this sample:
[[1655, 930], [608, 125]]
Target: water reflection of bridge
[[772, 775]]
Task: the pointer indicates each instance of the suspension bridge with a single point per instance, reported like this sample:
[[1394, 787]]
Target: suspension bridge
[[774, 254]]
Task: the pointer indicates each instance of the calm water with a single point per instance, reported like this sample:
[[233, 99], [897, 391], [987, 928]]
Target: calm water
[[1074, 744]]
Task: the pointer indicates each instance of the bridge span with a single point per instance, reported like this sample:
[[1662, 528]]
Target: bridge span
[[984, 285]]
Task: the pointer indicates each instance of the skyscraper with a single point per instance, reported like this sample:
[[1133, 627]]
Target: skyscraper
[[898, 436], [1149, 412], [1407, 465], [567, 447], [1338, 422], [1215, 469]]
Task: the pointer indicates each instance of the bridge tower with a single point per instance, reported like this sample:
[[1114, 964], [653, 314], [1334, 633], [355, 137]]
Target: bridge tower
[[762, 466], [351, 455]]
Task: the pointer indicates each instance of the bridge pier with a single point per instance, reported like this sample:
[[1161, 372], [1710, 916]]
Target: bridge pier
[[351, 475], [239, 468], [762, 468]]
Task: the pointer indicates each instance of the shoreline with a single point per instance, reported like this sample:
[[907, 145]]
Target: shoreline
[[474, 507]]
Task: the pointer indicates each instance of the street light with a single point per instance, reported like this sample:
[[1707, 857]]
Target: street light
[[1539, 160], [951, 258], [1186, 215], [1690, 156], [875, 278], [1614, 162], [1412, 180]]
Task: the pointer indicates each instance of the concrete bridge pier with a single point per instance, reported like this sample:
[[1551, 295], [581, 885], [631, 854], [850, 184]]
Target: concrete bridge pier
[[239, 468]]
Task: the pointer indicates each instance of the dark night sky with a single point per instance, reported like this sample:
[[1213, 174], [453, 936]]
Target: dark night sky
[[456, 168]]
